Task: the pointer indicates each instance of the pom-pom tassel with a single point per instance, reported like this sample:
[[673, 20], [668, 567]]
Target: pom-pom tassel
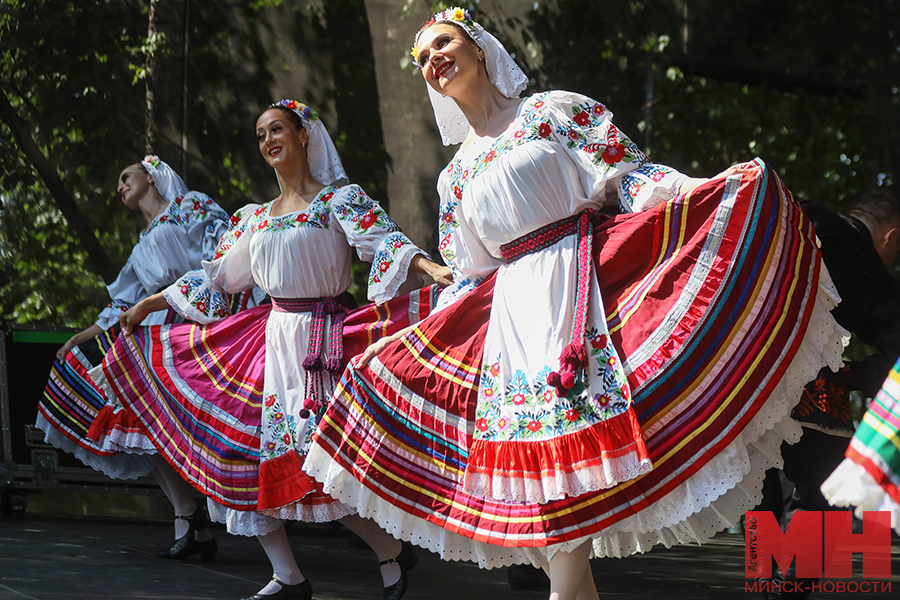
[[312, 362]]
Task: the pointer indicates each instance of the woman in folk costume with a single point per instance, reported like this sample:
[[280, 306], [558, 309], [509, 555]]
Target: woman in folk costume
[[869, 476], [182, 229], [581, 389], [233, 404]]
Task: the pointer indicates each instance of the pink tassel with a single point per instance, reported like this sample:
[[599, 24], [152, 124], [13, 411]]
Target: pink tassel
[[312, 362], [333, 365], [574, 354]]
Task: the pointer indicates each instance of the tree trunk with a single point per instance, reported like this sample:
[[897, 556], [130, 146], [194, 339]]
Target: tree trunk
[[165, 80]]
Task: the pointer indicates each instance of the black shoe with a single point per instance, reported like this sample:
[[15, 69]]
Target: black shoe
[[407, 561], [300, 591], [187, 546]]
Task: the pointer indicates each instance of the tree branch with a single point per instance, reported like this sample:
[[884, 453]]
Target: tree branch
[[61, 196]]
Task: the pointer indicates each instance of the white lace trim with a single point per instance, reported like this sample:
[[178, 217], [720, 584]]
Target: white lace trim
[[118, 466], [241, 522], [851, 485], [389, 287], [711, 500], [558, 484], [251, 523], [321, 513]]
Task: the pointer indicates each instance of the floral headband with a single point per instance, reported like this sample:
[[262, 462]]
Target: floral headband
[[459, 16], [166, 180], [301, 109]]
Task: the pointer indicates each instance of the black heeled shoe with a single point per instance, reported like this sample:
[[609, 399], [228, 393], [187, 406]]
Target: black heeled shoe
[[300, 591], [187, 546], [407, 561]]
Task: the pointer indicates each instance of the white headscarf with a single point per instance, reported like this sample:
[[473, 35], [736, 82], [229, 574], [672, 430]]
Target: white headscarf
[[502, 71], [167, 181], [324, 163]]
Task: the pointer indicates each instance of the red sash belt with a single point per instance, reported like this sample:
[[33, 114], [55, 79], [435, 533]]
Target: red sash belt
[[574, 355]]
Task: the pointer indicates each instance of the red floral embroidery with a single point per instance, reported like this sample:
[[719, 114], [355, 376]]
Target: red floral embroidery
[[614, 153], [287, 438], [519, 134], [518, 399], [457, 192], [598, 109], [544, 130], [572, 415], [599, 342], [384, 266], [658, 176], [367, 220], [582, 118], [489, 156], [481, 424], [201, 306], [327, 196], [235, 220], [534, 426], [495, 369], [303, 218], [184, 290]]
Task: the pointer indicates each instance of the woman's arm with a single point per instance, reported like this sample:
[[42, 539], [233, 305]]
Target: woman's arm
[[82, 336], [361, 360], [441, 274], [137, 313]]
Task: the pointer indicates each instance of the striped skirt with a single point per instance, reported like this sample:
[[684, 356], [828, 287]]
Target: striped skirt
[[717, 303], [76, 416], [197, 392], [869, 477]]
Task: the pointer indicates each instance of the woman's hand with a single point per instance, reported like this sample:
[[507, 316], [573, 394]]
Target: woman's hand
[[361, 360], [81, 336], [442, 275], [133, 317], [692, 183]]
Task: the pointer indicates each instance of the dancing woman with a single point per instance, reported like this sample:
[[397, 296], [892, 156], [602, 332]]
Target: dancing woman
[[582, 389], [182, 228], [233, 405]]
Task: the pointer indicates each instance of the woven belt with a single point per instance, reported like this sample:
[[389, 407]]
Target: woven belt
[[574, 355], [319, 307]]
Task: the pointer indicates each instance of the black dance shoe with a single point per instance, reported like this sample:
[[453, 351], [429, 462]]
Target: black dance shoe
[[187, 546], [407, 561], [300, 591]]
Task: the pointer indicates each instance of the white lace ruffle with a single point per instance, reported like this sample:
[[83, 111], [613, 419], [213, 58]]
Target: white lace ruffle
[[709, 501], [557, 484], [851, 485], [118, 466], [322, 513], [400, 281], [242, 522]]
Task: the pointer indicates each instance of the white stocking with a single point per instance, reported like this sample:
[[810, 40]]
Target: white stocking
[[180, 495], [284, 566], [380, 542], [570, 575]]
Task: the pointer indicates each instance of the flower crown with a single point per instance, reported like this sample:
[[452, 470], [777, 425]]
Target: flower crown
[[152, 160], [301, 109], [455, 15]]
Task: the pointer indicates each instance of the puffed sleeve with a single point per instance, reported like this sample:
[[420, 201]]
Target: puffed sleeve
[[613, 169], [202, 295], [126, 291], [378, 240]]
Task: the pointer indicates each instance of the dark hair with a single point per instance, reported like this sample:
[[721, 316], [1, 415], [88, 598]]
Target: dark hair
[[879, 207], [291, 115]]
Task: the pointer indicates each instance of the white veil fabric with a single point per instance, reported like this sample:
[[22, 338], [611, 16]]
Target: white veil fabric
[[167, 181], [324, 163], [502, 71]]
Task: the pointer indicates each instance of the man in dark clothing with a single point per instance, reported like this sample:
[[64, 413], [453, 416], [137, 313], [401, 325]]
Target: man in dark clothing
[[857, 249]]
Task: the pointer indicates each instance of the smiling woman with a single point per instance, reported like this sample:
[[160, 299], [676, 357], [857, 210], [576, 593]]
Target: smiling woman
[[586, 386], [255, 384]]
